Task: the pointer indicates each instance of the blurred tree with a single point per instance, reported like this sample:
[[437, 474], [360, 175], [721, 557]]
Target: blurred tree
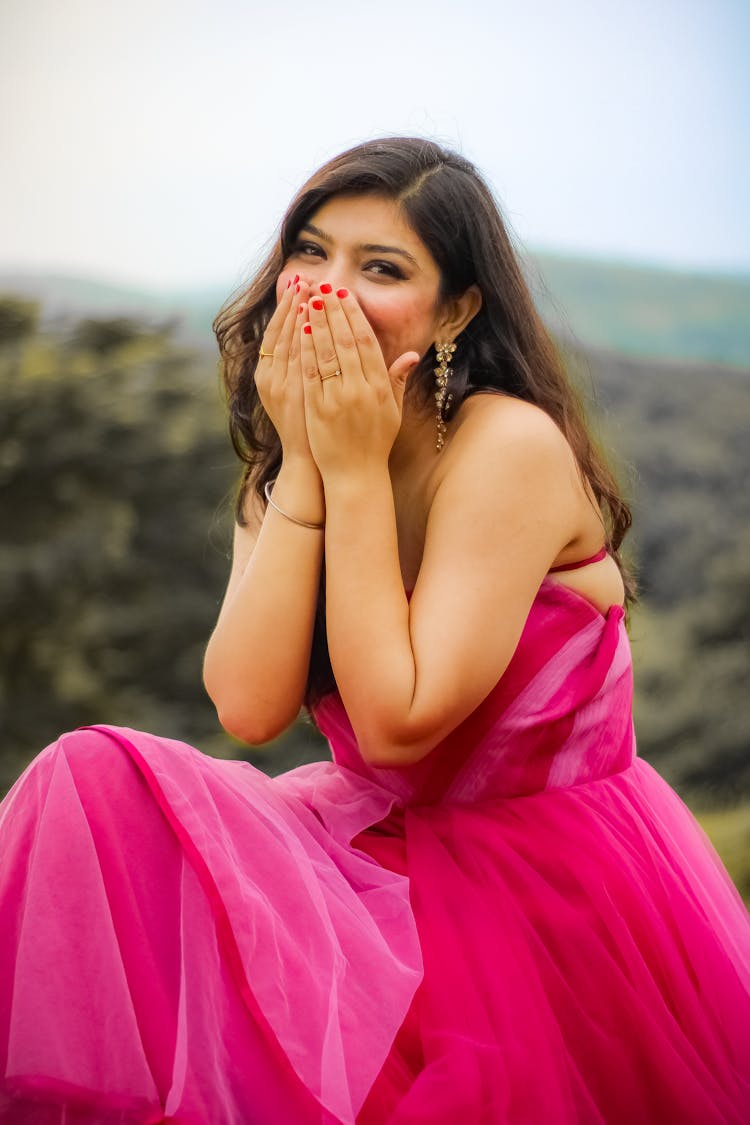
[[104, 336], [692, 673], [115, 473], [18, 319]]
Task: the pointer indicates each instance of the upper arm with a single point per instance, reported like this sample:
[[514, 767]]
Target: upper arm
[[505, 508]]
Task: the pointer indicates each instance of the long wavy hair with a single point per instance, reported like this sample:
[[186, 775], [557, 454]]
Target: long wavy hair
[[505, 348]]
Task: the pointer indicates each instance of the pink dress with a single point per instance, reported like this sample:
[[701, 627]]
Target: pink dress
[[525, 928]]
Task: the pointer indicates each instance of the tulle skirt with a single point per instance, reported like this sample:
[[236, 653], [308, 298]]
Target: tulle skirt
[[188, 940]]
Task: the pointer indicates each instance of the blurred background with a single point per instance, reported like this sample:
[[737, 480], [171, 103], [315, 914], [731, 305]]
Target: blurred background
[[149, 151]]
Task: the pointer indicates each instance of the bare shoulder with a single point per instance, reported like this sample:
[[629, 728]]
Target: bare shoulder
[[503, 436], [508, 503]]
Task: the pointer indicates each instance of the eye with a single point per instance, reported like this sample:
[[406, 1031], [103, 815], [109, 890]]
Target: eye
[[307, 250], [385, 269]]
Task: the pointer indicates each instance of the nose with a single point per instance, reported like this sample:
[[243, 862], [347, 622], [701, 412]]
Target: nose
[[336, 270], [337, 279]]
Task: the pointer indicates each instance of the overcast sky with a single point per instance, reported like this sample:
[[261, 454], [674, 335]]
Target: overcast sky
[[158, 141]]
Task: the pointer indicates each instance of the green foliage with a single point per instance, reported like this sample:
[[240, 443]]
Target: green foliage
[[98, 551], [692, 665], [103, 337], [729, 831], [116, 474], [18, 319]]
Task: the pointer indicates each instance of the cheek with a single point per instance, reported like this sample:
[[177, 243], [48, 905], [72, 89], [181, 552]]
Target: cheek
[[401, 325]]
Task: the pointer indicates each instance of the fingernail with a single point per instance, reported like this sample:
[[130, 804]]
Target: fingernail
[[307, 329], [295, 279], [341, 293], [288, 284], [317, 304], [301, 308], [296, 288], [326, 288]]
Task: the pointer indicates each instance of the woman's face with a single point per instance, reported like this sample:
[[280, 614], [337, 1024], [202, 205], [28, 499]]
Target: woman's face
[[364, 244]]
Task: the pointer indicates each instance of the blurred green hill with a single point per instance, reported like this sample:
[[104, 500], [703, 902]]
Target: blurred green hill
[[644, 311], [116, 476], [63, 298]]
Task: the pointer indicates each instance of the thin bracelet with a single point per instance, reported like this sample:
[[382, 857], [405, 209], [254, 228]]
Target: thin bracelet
[[292, 519]]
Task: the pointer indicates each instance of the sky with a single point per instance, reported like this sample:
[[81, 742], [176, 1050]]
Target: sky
[[158, 142]]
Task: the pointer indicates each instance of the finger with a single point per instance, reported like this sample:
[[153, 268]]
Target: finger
[[284, 339], [325, 349], [365, 340], [280, 314], [348, 359], [311, 383], [294, 366], [399, 373]]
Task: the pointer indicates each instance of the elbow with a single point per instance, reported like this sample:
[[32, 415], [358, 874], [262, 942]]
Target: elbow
[[247, 718], [391, 750], [252, 727], [392, 741]]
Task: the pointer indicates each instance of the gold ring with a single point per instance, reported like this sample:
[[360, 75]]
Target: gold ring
[[265, 355], [331, 376]]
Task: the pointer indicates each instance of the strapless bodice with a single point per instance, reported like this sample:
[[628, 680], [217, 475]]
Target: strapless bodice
[[560, 715]]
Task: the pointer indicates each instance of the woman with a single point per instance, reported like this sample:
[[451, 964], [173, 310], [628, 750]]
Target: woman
[[487, 908]]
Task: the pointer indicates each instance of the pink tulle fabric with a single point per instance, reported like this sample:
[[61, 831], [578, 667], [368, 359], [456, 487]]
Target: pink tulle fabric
[[527, 927]]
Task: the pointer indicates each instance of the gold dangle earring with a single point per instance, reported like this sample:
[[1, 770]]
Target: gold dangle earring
[[443, 399]]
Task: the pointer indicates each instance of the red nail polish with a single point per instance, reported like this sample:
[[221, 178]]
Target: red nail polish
[[317, 304], [301, 308], [307, 329], [341, 293], [288, 284], [295, 279], [326, 288], [296, 288]]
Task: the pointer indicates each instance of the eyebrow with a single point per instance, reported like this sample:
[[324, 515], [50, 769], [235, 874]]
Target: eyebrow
[[369, 247]]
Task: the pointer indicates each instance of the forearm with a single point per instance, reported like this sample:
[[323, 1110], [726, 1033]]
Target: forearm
[[258, 657], [368, 614]]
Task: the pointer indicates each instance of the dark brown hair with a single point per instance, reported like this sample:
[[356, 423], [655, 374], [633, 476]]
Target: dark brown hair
[[504, 348]]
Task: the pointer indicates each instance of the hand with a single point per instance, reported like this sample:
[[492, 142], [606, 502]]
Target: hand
[[352, 417], [279, 377]]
